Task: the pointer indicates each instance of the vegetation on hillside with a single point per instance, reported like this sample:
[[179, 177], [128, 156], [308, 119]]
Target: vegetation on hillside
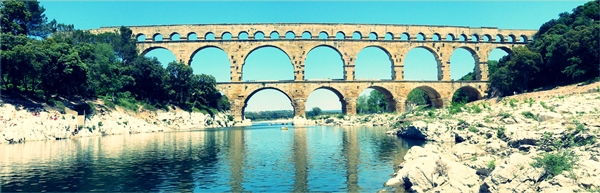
[[44, 60], [563, 51]]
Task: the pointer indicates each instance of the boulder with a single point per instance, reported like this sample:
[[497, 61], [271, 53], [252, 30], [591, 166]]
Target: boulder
[[514, 174], [426, 169], [431, 132]]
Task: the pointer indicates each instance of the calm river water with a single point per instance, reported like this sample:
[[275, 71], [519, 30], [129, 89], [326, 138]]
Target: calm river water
[[256, 158]]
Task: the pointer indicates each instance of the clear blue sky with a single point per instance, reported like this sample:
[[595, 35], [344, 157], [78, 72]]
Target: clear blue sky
[[321, 62]]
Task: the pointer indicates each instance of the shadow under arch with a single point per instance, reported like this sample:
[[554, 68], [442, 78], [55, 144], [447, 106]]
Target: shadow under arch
[[434, 96], [466, 93], [265, 88], [389, 97], [334, 91]]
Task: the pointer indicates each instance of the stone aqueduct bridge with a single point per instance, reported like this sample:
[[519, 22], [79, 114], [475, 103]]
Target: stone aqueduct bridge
[[240, 40]]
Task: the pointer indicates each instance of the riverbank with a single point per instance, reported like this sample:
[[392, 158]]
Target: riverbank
[[544, 141], [22, 121]]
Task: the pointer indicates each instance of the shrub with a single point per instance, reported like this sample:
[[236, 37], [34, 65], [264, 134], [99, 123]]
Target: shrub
[[500, 132], [529, 101], [455, 108], [491, 165], [100, 124], [504, 115], [555, 163], [473, 129], [340, 116], [61, 107], [230, 117], [529, 115], [476, 108], [108, 102]]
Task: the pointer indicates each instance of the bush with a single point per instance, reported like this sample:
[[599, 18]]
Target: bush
[[130, 104], [455, 108], [491, 165], [61, 107], [529, 115], [473, 129], [340, 116], [555, 163], [108, 102], [230, 117]]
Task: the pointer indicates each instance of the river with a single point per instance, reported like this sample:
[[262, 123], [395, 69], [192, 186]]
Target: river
[[256, 158]]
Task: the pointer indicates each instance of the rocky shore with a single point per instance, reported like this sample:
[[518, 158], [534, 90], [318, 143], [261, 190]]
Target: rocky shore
[[19, 124], [535, 142]]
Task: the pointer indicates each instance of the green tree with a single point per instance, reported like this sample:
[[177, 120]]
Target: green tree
[[418, 97], [316, 111]]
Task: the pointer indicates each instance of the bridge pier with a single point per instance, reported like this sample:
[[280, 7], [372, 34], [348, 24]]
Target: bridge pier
[[350, 106], [236, 108], [400, 105], [299, 105]]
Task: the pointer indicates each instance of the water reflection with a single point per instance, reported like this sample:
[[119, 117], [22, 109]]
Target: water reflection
[[257, 158]]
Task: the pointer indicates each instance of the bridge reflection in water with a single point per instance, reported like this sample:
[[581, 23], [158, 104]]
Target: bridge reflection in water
[[257, 158]]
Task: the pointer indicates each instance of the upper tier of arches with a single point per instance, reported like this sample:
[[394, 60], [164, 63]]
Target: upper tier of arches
[[368, 32]]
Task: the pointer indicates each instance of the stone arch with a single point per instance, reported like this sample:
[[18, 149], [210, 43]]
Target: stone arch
[[436, 37], [210, 36], [274, 35], [476, 59], [258, 35], [192, 36], [434, 95], [523, 39], [328, 46], [253, 92], [503, 48], [306, 35], [405, 36], [243, 35], [175, 34], [334, 91], [472, 93], [145, 51], [474, 38], [226, 36], [323, 35], [340, 35], [157, 37], [140, 35], [266, 46], [450, 37], [373, 36], [388, 36], [487, 38], [499, 38], [204, 47], [389, 97], [356, 35], [463, 38], [290, 35], [431, 50], [512, 38], [421, 37], [382, 49]]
